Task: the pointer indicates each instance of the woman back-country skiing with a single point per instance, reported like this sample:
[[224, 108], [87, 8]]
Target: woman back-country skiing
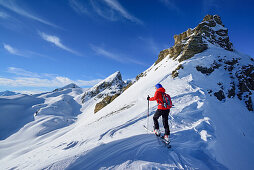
[[164, 105]]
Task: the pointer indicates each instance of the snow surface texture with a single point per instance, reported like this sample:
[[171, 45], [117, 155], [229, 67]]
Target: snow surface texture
[[205, 133], [59, 129]]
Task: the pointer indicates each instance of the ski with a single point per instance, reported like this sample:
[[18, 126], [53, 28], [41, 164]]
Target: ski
[[159, 137]]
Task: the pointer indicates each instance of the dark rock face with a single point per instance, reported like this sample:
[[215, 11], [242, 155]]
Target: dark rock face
[[109, 98], [245, 77], [206, 70], [140, 75], [195, 45], [220, 95], [194, 41], [242, 79], [105, 102], [231, 91], [161, 56], [175, 72]]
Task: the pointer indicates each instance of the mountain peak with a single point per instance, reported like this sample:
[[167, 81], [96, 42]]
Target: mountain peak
[[210, 31], [109, 86], [69, 86], [115, 76], [215, 18]]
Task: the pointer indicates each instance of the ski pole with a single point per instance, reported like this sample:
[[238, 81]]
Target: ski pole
[[147, 114]]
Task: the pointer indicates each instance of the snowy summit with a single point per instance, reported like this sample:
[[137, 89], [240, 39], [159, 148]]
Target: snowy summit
[[69, 86]]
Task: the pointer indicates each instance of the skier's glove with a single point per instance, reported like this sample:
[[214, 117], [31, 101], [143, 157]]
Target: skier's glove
[[148, 98]]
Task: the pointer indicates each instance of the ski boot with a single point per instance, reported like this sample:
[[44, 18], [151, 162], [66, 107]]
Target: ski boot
[[157, 132], [166, 138]]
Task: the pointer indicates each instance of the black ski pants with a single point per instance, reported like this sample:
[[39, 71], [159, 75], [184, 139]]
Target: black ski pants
[[164, 114]]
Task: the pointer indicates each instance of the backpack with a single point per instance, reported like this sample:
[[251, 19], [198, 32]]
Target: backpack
[[166, 103]]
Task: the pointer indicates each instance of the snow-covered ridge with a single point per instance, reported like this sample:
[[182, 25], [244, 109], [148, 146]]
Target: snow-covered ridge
[[71, 85], [8, 93]]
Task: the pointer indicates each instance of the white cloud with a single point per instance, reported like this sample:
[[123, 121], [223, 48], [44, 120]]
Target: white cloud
[[12, 50], [122, 59], [57, 42], [115, 5], [103, 52], [32, 53], [21, 72], [150, 44], [78, 7], [211, 6], [4, 15], [103, 11], [11, 5], [109, 9], [29, 79], [43, 82], [29, 91], [24, 53], [172, 5]]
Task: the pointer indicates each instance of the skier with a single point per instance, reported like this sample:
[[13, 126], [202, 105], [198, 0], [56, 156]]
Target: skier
[[163, 110]]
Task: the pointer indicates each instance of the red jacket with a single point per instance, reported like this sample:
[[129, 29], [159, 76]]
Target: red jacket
[[159, 99]]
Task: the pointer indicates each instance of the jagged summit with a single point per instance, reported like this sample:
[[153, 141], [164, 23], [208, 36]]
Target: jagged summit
[[115, 77], [110, 86], [214, 31], [105, 91], [69, 86], [193, 41]]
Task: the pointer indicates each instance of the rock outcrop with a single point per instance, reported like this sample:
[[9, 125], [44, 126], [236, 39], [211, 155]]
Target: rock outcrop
[[193, 41], [105, 102], [245, 77]]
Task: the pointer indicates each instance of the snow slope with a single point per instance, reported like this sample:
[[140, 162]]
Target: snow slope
[[203, 136], [205, 133]]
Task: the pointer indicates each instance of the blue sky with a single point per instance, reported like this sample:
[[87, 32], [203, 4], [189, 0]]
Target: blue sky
[[47, 44]]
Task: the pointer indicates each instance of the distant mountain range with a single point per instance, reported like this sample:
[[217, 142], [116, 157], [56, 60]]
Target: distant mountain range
[[8, 93]]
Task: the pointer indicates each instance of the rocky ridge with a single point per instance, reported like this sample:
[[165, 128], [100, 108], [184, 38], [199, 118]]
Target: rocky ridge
[[212, 33], [106, 91], [194, 41]]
